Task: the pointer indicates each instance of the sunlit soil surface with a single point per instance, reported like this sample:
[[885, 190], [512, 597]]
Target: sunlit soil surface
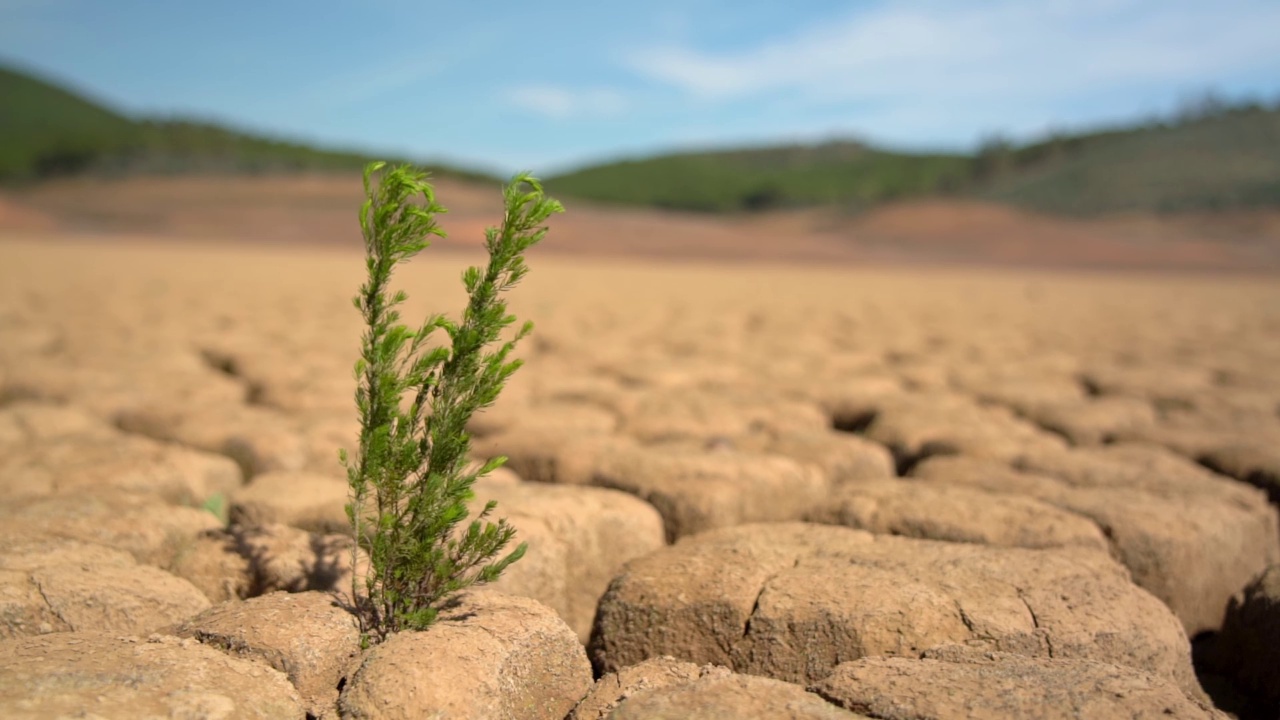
[[1096, 402]]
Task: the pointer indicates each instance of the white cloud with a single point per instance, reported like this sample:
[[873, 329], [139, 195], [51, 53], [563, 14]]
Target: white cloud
[[976, 50], [560, 103]]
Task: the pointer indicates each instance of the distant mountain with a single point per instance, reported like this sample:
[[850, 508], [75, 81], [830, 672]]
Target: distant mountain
[[48, 131], [1217, 157]]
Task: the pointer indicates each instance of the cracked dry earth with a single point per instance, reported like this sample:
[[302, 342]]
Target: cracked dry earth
[[748, 492]]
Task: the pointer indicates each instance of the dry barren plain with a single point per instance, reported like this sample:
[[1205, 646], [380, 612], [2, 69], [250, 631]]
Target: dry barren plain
[[762, 491]]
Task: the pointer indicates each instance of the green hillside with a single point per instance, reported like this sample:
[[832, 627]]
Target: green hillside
[[1229, 158], [1213, 157], [1220, 158], [718, 181], [47, 131]]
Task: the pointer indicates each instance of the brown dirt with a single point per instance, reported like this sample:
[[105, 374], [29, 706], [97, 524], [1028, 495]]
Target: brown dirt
[[140, 377], [664, 688], [508, 657], [106, 675], [792, 601], [318, 209], [1000, 686]]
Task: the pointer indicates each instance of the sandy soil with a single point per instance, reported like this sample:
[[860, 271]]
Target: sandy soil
[[318, 210], [1088, 398]]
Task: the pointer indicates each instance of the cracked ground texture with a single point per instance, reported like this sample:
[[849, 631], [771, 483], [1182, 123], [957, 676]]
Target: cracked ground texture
[[1100, 448]]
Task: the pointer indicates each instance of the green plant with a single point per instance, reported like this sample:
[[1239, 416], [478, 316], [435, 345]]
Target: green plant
[[216, 504], [410, 480]]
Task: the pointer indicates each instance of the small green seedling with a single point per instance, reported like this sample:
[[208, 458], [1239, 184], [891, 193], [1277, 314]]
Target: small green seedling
[[216, 504], [410, 480]]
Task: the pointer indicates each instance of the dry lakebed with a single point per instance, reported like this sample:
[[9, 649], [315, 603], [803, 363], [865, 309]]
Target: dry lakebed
[[751, 491]]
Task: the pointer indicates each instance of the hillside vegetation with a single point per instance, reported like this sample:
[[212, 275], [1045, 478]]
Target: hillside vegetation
[[47, 131], [1215, 157], [1212, 156], [1220, 159], [836, 172]]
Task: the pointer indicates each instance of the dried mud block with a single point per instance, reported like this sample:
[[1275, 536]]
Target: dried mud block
[[1147, 381], [791, 601], [1202, 437], [843, 458], [212, 563], [1223, 422], [21, 343], [702, 415], [301, 388], [985, 474], [258, 439], [135, 599], [579, 538], [153, 532], [1095, 421], [542, 574], [658, 373], [491, 656], [23, 610], [1144, 466], [697, 490], [90, 674], [307, 501], [106, 465], [846, 400], [322, 436], [615, 687], [105, 386], [1249, 645], [1140, 466], [666, 688], [548, 455], [918, 426], [1022, 394], [962, 684], [569, 418], [570, 384], [1258, 465], [64, 585], [923, 375], [25, 422], [1186, 536], [1189, 442], [1188, 552], [956, 514], [286, 558], [307, 636]]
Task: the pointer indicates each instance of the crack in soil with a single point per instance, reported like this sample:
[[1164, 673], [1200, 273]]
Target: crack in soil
[[49, 604], [964, 618], [1035, 622], [764, 585], [227, 364]]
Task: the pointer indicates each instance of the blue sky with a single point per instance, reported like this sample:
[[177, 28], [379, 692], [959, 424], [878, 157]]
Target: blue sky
[[551, 85]]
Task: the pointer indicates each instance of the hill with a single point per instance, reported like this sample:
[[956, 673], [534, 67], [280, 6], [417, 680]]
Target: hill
[[47, 131], [1212, 156], [1218, 157], [789, 176]]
